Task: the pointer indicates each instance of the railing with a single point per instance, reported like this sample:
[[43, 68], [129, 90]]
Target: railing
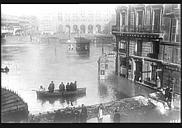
[[115, 28], [152, 55], [122, 50], [147, 29], [120, 28], [124, 28], [137, 53], [139, 28]]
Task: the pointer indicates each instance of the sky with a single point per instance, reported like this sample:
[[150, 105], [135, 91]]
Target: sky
[[39, 9]]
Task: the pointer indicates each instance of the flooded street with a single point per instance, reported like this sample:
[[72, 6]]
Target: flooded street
[[35, 64], [77, 63]]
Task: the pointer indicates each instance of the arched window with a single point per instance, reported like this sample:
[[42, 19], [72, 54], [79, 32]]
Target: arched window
[[90, 28], [98, 28], [82, 29]]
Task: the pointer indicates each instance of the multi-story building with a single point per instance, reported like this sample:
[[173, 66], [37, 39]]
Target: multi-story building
[[48, 23], [148, 44], [16, 24], [83, 21]]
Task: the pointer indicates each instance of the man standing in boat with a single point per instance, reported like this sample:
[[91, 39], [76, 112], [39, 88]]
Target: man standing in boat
[[51, 87], [67, 87], [71, 86], [61, 87], [75, 85]]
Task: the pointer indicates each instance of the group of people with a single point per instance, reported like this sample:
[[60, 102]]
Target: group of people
[[51, 87], [69, 86], [72, 115], [72, 86]]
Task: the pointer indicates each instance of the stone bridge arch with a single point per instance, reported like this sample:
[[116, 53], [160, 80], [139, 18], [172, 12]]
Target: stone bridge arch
[[75, 28], [98, 28], [67, 29], [90, 28]]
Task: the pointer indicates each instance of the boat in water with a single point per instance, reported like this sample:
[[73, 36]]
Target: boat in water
[[5, 70], [58, 93]]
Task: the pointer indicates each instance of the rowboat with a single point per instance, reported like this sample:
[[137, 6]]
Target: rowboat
[[5, 70], [62, 100], [58, 93]]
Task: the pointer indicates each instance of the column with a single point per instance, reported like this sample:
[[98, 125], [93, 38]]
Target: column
[[117, 70], [133, 69], [127, 55], [143, 69], [118, 19]]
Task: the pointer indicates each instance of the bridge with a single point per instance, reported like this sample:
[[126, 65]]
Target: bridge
[[81, 28], [13, 24]]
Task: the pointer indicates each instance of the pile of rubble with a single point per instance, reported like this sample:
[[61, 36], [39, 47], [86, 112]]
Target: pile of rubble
[[129, 107]]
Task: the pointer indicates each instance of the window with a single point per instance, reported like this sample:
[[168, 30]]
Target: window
[[106, 66], [123, 19], [140, 17], [132, 22], [122, 61], [138, 48], [148, 17], [173, 32], [157, 20], [122, 45], [102, 72], [166, 28]]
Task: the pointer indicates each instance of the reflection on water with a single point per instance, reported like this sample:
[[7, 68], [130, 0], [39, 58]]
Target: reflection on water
[[102, 88], [71, 100], [32, 65]]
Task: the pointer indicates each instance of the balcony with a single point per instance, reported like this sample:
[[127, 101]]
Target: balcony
[[120, 28], [152, 55], [122, 50], [115, 28], [137, 53], [147, 29], [124, 28]]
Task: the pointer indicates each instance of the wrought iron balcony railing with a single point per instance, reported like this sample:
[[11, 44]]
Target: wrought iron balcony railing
[[115, 28], [152, 55], [120, 28], [137, 53], [148, 29], [139, 28], [122, 50]]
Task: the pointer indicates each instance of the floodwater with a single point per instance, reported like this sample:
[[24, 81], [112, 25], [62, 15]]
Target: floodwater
[[35, 64]]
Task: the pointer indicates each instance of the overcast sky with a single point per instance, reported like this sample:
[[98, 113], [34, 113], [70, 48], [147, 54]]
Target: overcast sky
[[39, 9]]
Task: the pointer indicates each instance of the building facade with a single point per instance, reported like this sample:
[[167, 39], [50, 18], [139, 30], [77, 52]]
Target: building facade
[[21, 25], [83, 21], [148, 41]]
